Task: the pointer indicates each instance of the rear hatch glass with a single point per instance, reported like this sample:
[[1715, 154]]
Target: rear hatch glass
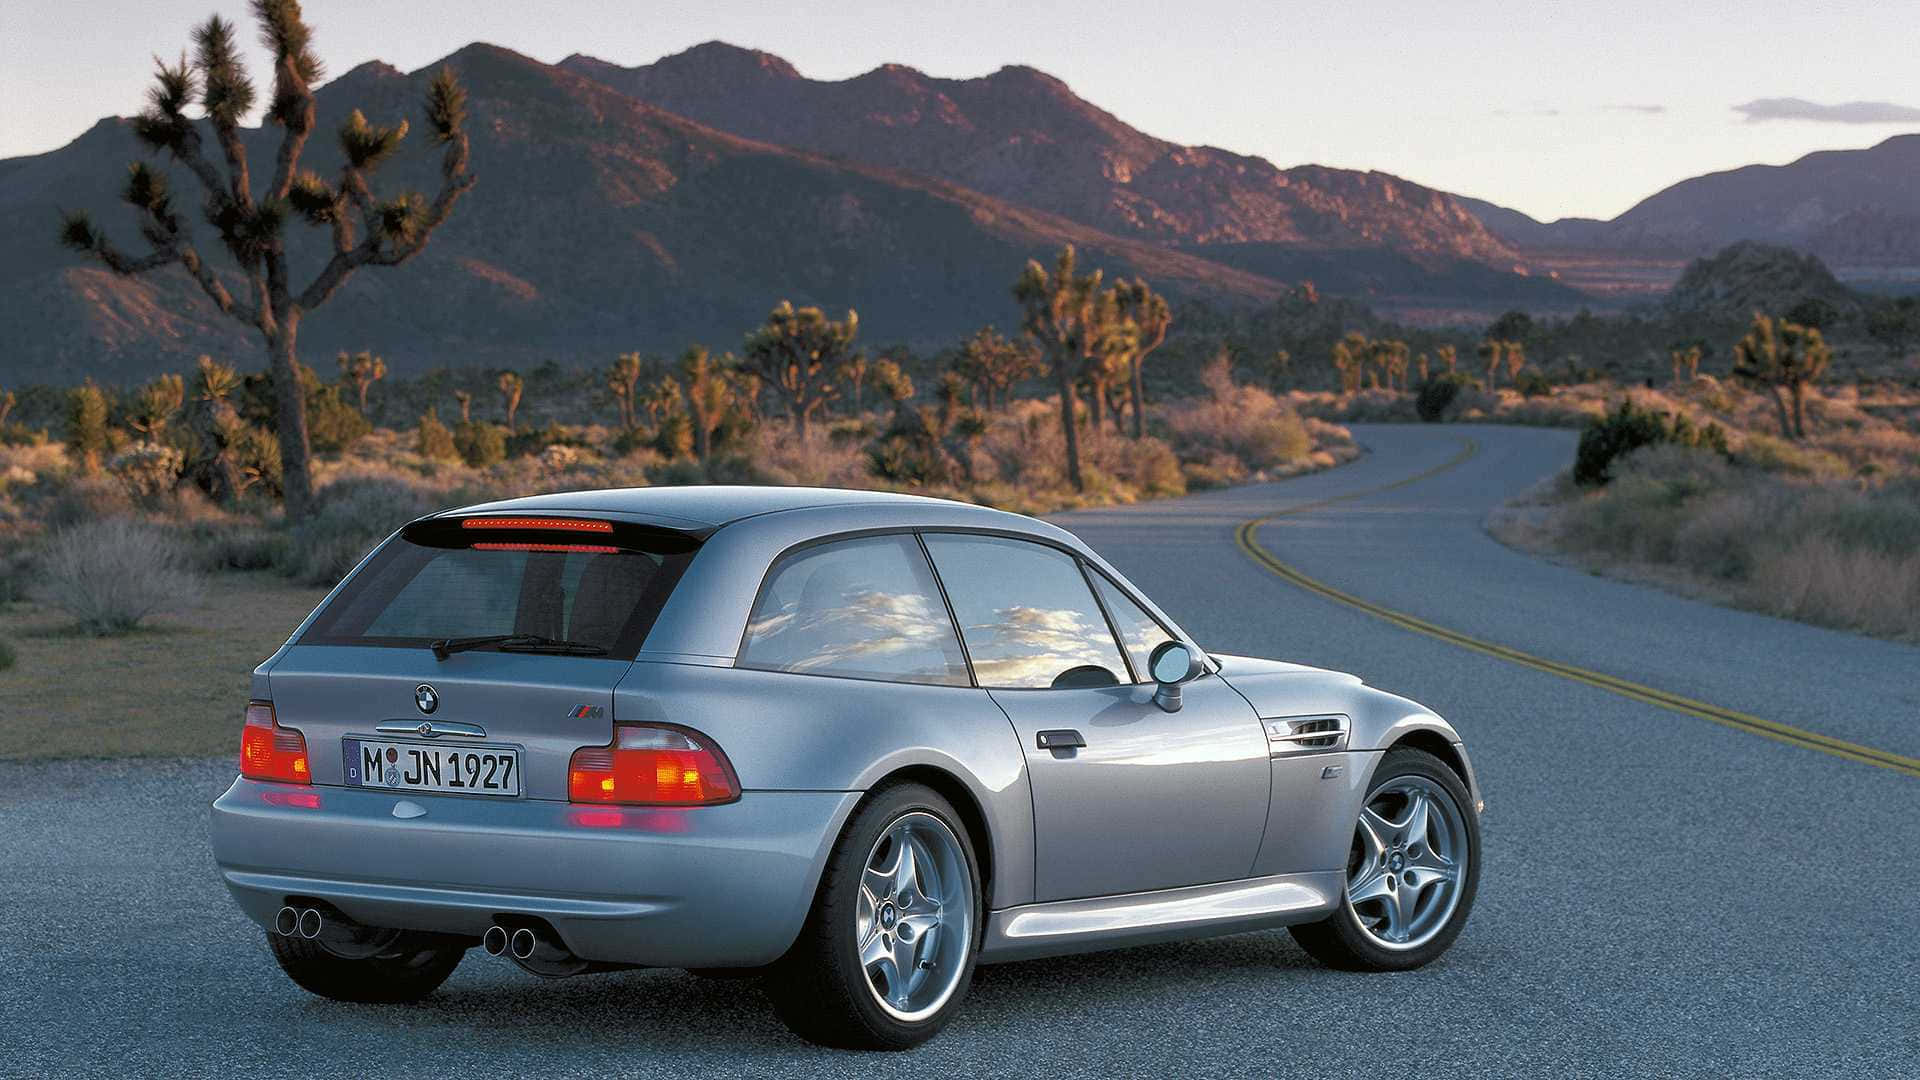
[[499, 637]]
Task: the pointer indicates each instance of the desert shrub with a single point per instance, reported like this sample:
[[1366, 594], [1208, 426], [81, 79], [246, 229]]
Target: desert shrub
[[433, 441], [112, 574], [6, 655], [349, 517], [674, 435], [677, 473], [1629, 428], [856, 431], [147, 469], [481, 445], [332, 423], [1148, 465], [1532, 383], [535, 441], [84, 499], [1246, 422], [1437, 393]]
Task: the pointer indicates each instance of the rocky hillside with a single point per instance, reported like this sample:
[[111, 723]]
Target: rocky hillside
[[1748, 277], [1024, 136], [600, 224]]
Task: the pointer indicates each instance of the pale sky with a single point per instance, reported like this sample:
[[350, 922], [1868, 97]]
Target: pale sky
[[1554, 107]]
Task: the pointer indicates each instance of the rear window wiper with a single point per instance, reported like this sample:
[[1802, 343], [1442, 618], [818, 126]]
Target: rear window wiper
[[446, 647]]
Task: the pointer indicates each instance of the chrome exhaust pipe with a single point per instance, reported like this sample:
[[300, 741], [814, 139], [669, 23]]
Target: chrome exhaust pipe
[[287, 922], [523, 944], [310, 924], [494, 941]]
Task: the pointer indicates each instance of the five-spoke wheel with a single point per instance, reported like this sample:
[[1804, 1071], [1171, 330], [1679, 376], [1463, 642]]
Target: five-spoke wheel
[[1411, 872], [914, 915]]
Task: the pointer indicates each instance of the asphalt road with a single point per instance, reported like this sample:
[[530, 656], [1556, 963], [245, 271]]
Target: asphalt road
[[1662, 896]]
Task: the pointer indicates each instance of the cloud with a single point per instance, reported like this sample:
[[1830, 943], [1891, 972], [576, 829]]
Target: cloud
[[1650, 110], [1852, 112]]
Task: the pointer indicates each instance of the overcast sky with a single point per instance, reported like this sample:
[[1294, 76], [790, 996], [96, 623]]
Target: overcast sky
[[1556, 107]]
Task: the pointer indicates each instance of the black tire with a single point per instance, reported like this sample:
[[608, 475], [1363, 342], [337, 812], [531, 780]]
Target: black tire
[[820, 989], [1340, 941], [411, 969]]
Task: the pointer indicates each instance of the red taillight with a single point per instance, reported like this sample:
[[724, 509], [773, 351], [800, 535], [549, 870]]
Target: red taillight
[[649, 765], [593, 549], [269, 751], [556, 524]]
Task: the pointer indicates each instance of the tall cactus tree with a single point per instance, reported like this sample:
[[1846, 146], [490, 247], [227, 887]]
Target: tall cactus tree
[[362, 369], [511, 387], [1783, 358], [1057, 310], [621, 378], [709, 395], [1151, 318], [251, 222], [800, 353]]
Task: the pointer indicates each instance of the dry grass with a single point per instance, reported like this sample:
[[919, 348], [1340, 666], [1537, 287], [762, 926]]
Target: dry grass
[[110, 575], [176, 687]]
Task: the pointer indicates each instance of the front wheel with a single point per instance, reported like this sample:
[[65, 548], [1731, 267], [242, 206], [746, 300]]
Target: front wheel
[[410, 968], [887, 953], [1411, 872]]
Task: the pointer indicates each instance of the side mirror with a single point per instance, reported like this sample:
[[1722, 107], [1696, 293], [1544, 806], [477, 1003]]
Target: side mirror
[[1172, 665]]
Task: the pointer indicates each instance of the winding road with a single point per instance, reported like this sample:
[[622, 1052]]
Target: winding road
[[1702, 849]]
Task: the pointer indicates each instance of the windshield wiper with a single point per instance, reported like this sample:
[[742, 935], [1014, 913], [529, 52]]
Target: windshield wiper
[[446, 647]]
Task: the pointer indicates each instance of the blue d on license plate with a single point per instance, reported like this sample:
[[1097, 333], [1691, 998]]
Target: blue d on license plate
[[406, 766]]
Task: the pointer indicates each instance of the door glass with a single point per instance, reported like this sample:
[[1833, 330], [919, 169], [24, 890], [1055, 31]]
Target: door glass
[[1139, 632], [864, 609], [1026, 613]]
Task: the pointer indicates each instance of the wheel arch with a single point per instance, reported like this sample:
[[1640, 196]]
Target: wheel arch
[[973, 816]]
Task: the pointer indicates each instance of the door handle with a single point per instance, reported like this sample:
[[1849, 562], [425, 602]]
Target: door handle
[[1059, 739]]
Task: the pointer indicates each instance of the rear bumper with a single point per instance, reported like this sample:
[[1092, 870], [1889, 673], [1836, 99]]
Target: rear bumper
[[715, 886]]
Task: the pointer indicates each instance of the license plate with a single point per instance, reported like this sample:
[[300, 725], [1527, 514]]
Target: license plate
[[456, 770]]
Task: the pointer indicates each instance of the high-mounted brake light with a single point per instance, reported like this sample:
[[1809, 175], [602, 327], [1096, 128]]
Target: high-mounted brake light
[[555, 524], [269, 751], [652, 765], [595, 549]]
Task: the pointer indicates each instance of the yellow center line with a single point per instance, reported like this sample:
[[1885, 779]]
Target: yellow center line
[[1247, 538]]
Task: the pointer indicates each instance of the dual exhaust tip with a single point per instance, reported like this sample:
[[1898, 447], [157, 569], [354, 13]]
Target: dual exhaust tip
[[299, 922], [521, 943]]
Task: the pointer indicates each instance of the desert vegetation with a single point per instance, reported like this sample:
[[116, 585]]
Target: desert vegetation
[[116, 508], [1762, 490]]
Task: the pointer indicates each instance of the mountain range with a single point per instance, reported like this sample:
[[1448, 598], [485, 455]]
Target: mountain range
[[647, 207]]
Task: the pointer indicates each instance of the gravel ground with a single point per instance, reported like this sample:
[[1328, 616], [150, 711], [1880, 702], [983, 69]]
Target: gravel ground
[[1661, 896]]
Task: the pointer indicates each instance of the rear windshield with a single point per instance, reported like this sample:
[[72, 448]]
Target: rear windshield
[[440, 580]]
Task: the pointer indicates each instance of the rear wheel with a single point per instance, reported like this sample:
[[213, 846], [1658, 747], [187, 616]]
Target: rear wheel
[[1412, 870], [888, 951], [410, 968]]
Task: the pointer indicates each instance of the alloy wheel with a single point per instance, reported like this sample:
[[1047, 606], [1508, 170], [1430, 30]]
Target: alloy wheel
[[913, 922], [1407, 864]]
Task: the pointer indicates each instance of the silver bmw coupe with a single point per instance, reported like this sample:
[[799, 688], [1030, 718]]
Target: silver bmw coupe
[[854, 743]]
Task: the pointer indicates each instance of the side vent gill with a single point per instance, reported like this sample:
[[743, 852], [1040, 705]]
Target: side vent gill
[[1305, 734]]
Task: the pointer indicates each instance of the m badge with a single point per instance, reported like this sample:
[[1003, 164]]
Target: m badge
[[586, 712]]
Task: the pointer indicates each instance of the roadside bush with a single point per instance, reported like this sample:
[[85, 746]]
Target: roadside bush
[[1437, 393], [481, 445], [1629, 428], [112, 574], [433, 441], [1532, 384], [1245, 422]]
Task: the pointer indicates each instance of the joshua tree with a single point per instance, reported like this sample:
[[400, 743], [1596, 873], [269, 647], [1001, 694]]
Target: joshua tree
[[1516, 359], [510, 388], [252, 224], [1350, 356], [7, 401], [87, 425], [708, 397], [620, 379], [1151, 318], [1113, 339], [1057, 310], [465, 401], [1420, 366], [1491, 352], [855, 371], [155, 404], [216, 428], [1686, 363], [1449, 356], [891, 379], [362, 369], [1783, 357], [995, 364], [800, 352]]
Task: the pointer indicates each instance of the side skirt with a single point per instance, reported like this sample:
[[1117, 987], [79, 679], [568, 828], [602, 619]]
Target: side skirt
[[1060, 927]]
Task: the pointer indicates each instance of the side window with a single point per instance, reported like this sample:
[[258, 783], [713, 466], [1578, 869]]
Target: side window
[[866, 609], [1140, 633], [1026, 613]]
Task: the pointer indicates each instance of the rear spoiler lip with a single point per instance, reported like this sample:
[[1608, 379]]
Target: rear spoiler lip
[[696, 530]]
